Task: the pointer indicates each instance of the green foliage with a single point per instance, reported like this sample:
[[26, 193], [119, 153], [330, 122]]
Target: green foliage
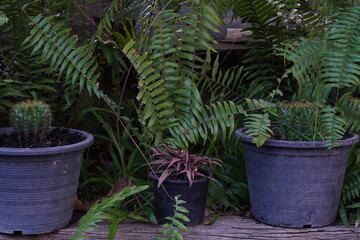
[[297, 122], [322, 69], [331, 126], [76, 64], [171, 231], [171, 107], [258, 127], [340, 65], [349, 107], [109, 209], [20, 74], [351, 188], [229, 191], [306, 56], [31, 118], [3, 18], [263, 67], [216, 120]]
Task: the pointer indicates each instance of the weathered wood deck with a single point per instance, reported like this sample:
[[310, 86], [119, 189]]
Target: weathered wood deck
[[226, 227]]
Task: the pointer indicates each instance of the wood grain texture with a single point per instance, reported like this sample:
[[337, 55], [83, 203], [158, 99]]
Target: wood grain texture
[[226, 227]]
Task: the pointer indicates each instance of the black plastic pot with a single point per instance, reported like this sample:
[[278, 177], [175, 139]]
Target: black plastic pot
[[295, 184], [38, 186], [195, 197]]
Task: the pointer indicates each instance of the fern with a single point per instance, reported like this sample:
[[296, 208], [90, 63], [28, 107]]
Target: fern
[[157, 111], [3, 18], [258, 127], [215, 120], [351, 188], [108, 210], [171, 229], [350, 110], [219, 84], [340, 65], [332, 126], [306, 55], [75, 64], [117, 13], [168, 70], [313, 22], [267, 32]]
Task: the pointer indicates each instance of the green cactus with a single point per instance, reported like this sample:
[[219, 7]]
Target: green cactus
[[31, 118]]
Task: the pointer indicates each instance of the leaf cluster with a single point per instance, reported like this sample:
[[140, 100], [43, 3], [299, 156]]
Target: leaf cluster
[[171, 231], [179, 164], [109, 209]]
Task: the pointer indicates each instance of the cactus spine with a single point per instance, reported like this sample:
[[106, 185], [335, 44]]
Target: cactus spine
[[31, 119]]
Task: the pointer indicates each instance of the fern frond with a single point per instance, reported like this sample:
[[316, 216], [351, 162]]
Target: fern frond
[[263, 67], [258, 127], [76, 64], [313, 22], [351, 186], [156, 111], [215, 120], [3, 18], [349, 107], [106, 210], [257, 104], [306, 56], [332, 126], [219, 84], [341, 62]]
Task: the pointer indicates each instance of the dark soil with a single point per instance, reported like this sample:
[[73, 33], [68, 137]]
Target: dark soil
[[54, 138]]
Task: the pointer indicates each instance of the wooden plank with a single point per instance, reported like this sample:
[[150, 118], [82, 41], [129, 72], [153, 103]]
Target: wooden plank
[[225, 228]]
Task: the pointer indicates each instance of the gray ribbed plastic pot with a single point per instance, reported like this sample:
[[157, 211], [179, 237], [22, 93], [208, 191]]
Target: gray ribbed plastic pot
[[295, 184], [38, 186], [195, 197]]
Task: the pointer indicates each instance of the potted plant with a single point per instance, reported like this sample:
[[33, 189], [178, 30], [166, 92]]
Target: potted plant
[[39, 171], [295, 177], [177, 172], [296, 152]]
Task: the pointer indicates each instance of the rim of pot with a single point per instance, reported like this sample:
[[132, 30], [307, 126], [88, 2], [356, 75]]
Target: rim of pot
[[352, 139], [88, 141]]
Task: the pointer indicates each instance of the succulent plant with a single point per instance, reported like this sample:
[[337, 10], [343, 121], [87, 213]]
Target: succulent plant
[[31, 118], [180, 164]]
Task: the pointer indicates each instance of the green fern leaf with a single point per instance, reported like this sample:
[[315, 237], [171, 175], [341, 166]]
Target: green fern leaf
[[349, 108], [258, 127], [76, 64], [104, 211], [332, 126], [215, 120], [340, 65], [3, 18]]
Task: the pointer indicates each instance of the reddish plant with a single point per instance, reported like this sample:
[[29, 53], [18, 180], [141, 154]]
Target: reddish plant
[[180, 164]]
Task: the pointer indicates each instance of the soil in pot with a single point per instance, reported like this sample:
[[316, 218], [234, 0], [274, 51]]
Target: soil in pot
[[54, 138]]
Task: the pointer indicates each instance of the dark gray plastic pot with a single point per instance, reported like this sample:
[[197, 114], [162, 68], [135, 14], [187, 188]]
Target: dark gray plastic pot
[[295, 184], [195, 197], [38, 186]]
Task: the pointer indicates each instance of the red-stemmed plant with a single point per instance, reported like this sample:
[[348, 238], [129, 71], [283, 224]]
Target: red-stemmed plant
[[180, 164]]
